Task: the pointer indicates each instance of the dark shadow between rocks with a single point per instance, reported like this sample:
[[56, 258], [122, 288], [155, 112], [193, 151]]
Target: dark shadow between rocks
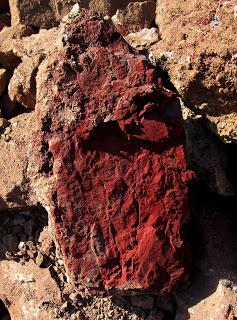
[[19, 232], [4, 314], [214, 241]]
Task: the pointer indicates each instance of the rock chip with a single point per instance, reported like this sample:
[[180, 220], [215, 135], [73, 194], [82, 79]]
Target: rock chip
[[111, 164], [198, 49], [4, 78], [143, 39], [7, 37]]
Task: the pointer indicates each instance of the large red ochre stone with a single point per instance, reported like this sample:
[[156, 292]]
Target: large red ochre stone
[[110, 136]]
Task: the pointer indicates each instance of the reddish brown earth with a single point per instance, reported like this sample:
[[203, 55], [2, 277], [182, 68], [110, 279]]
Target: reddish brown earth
[[111, 138]]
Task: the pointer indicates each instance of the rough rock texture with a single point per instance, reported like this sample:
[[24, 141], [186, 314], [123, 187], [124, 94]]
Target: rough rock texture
[[136, 16], [32, 50], [222, 304], [4, 78], [7, 37], [15, 143], [206, 155], [24, 301], [33, 13], [110, 142], [208, 295], [47, 14], [143, 39], [198, 49], [22, 87]]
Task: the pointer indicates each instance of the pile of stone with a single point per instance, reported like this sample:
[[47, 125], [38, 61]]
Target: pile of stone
[[96, 98]]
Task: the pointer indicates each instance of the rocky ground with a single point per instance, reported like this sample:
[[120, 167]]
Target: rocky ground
[[107, 117]]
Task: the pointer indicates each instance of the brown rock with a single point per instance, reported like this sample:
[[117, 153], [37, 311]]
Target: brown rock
[[4, 78], [136, 16], [37, 44], [22, 86], [7, 37], [26, 290], [39, 14], [14, 146], [32, 50], [221, 304], [198, 48], [143, 39]]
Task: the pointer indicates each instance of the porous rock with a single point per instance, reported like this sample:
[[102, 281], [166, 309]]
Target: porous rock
[[34, 13], [32, 50], [198, 49], [109, 146], [7, 38], [206, 155], [143, 39], [15, 144], [135, 17], [22, 86], [26, 290]]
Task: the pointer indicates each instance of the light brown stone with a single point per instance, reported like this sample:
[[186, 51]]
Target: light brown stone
[[39, 14], [4, 78], [32, 50], [136, 16], [143, 39], [7, 38], [22, 86], [198, 49], [15, 144], [27, 290]]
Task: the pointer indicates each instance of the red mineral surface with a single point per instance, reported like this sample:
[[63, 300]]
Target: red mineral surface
[[111, 140]]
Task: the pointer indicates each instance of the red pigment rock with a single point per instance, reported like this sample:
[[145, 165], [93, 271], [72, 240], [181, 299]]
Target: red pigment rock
[[111, 139]]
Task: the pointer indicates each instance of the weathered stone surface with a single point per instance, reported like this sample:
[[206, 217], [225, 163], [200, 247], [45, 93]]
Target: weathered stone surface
[[26, 290], [37, 44], [221, 304], [110, 149], [4, 78], [198, 49], [32, 50], [143, 39], [22, 87], [47, 14], [206, 155], [136, 16], [33, 13], [7, 37], [15, 144]]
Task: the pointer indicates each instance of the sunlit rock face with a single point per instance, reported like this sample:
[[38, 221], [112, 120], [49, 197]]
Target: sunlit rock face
[[110, 143]]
